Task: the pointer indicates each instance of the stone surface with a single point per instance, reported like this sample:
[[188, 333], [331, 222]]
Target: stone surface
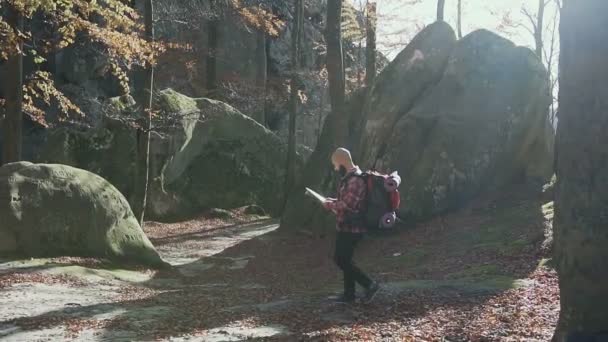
[[480, 128], [58, 210], [218, 137], [456, 119]]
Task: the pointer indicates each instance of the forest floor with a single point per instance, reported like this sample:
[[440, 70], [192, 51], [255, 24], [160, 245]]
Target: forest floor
[[479, 274]]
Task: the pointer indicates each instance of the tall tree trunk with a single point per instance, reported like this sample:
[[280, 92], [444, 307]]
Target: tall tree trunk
[[212, 49], [335, 68], [581, 215], [143, 136], [538, 32], [371, 22], [13, 117], [440, 9], [459, 19], [261, 74], [290, 174]]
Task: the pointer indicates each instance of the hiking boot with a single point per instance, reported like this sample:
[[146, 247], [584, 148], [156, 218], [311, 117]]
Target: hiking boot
[[371, 292]]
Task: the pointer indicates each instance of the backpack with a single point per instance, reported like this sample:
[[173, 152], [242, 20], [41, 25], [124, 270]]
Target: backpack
[[381, 201]]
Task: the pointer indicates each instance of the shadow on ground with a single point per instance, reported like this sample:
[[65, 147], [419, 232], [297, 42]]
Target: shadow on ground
[[254, 282]]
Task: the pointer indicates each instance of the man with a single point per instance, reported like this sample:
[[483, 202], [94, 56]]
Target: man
[[349, 209]]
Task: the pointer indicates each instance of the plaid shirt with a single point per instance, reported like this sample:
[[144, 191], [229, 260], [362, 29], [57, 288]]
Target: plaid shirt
[[351, 196]]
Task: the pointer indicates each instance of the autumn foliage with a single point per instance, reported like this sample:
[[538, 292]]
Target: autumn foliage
[[110, 24]]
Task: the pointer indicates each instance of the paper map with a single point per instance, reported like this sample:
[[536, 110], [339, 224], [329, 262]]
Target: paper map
[[315, 195]]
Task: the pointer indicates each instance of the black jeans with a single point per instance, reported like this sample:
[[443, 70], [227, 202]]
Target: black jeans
[[345, 248]]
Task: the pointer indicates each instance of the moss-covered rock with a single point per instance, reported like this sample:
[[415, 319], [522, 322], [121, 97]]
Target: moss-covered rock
[[207, 154], [109, 151], [481, 127], [58, 210], [455, 118], [221, 158], [416, 69]]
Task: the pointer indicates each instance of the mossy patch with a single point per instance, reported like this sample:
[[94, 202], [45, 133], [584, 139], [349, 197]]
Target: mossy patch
[[92, 274], [501, 232], [478, 271], [468, 285], [412, 258]]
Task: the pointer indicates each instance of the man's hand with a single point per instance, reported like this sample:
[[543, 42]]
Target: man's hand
[[329, 204]]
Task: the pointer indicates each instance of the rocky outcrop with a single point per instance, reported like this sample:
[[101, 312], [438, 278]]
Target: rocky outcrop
[[455, 118], [110, 151], [482, 126], [221, 158], [414, 71], [203, 154], [58, 210]]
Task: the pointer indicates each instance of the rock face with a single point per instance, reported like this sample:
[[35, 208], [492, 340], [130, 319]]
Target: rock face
[[455, 118], [482, 126], [108, 151], [413, 72], [207, 155], [58, 210], [220, 158]]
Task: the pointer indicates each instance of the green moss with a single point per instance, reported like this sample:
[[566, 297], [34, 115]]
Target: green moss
[[490, 284], [479, 271], [101, 274], [83, 215], [413, 257], [499, 231], [174, 102]]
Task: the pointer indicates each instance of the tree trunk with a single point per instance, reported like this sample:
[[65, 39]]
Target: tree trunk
[[371, 22], [440, 9], [212, 49], [538, 33], [335, 67], [13, 117], [143, 136], [459, 19], [581, 212], [261, 74], [290, 174]]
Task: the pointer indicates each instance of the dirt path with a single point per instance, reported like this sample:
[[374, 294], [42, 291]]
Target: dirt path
[[475, 275], [74, 299]]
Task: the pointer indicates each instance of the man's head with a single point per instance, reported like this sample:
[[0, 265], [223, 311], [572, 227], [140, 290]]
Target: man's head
[[342, 161]]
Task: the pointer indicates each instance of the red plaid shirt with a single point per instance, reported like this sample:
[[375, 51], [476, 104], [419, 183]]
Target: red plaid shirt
[[351, 197]]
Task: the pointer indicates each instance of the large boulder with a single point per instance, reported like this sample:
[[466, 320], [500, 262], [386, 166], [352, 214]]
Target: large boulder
[[371, 114], [108, 150], [414, 71], [219, 158], [58, 210], [480, 128], [193, 139], [455, 118]]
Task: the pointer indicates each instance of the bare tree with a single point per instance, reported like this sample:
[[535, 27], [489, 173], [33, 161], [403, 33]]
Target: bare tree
[[335, 66], [550, 53], [13, 117], [537, 25], [212, 46], [261, 73], [143, 134], [294, 96], [440, 10], [545, 33], [581, 201], [459, 19], [371, 23]]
